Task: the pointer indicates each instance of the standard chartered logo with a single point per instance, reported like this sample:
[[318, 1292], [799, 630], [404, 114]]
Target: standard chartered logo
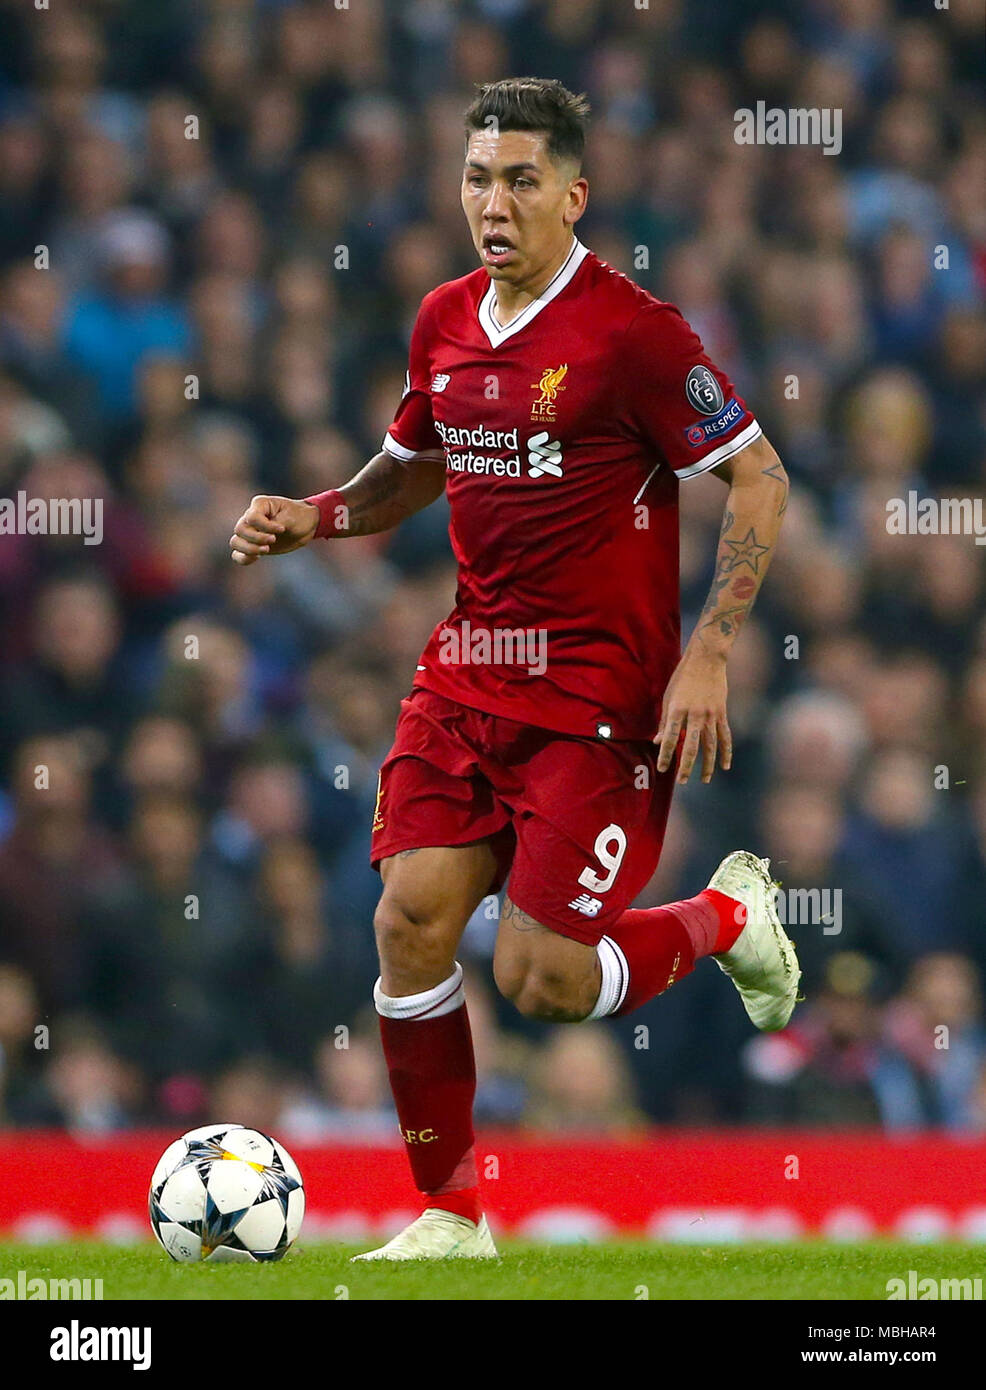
[[499, 453], [543, 456]]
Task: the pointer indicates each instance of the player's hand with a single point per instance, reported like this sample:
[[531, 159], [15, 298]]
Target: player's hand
[[694, 711], [272, 526]]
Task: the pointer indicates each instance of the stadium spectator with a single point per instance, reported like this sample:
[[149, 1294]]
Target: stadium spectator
[[819, 1073], [934, 1048], [24, 1095], [581, 1083], [350, 1100]]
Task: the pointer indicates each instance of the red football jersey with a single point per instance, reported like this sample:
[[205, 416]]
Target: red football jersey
[[564, 435]]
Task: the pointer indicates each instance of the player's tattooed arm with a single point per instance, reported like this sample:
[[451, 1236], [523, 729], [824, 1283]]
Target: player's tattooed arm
[[722, 616], [775, 470], [388, 491], [750, 526], [693, 713]]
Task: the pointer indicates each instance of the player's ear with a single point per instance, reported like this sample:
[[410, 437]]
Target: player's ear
[[578, 196]]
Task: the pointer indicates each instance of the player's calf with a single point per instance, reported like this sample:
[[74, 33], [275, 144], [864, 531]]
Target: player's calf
[[549, 998], [544, 974], [428, 897], [553, 977]]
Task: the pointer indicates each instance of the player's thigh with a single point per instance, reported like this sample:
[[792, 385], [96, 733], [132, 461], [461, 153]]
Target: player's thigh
[[439, 883], [428, 897], [439, 840]]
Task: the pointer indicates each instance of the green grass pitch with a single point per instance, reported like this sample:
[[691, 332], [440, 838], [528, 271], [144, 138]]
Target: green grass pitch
[[628, 1270]]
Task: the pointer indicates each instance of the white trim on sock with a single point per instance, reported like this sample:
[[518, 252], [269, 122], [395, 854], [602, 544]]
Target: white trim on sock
[[615, 981], [430, 1003]]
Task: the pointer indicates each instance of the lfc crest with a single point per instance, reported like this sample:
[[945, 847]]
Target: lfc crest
[[549, 386]]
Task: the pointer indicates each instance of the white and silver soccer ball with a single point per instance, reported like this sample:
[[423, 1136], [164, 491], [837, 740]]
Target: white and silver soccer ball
[[224, 1192]]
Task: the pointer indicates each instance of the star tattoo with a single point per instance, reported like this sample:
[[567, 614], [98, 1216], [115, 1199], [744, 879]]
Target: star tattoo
[[746, 552]]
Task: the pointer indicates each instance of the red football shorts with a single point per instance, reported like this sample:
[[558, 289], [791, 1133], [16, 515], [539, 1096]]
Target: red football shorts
[[577, 823]]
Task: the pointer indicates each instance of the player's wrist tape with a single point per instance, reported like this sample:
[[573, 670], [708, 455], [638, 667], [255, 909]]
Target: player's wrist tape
[[333, 514]]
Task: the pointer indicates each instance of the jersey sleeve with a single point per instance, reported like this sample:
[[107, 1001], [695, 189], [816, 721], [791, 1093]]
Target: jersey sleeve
[[412, 434], [679, 400]]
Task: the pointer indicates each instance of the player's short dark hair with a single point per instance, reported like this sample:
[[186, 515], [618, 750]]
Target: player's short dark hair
[[537, 104]]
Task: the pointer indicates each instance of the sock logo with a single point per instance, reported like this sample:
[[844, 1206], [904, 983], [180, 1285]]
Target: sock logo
[[674, 971], [418, 1136]]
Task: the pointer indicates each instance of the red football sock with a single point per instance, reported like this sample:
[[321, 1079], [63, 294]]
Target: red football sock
[[662, 944], [732, 919], [433, 1080]]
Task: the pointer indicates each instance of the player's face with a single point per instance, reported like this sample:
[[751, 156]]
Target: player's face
[[520, 204]]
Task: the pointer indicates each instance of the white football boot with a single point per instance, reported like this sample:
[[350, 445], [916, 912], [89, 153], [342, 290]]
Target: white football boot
[[762, 963], [438, 1235]]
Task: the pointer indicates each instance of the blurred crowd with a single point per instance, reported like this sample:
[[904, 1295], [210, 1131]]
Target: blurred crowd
[[217, 219]]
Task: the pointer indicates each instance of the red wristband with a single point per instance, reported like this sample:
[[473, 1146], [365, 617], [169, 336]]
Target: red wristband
[[329, 514]]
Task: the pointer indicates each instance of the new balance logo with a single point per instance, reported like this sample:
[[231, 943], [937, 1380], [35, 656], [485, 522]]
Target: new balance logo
[[544, 456], [589, 907], [440, 380]]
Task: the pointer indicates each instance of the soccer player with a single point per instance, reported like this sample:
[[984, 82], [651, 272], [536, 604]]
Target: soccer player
[[559, 405]]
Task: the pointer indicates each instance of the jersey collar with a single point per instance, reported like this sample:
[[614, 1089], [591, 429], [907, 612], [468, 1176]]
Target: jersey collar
[[563, 277]]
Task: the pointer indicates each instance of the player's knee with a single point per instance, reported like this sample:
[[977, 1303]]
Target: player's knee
[[407, 938]]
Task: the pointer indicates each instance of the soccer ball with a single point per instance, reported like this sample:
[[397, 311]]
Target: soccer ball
[[223, 1192]]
